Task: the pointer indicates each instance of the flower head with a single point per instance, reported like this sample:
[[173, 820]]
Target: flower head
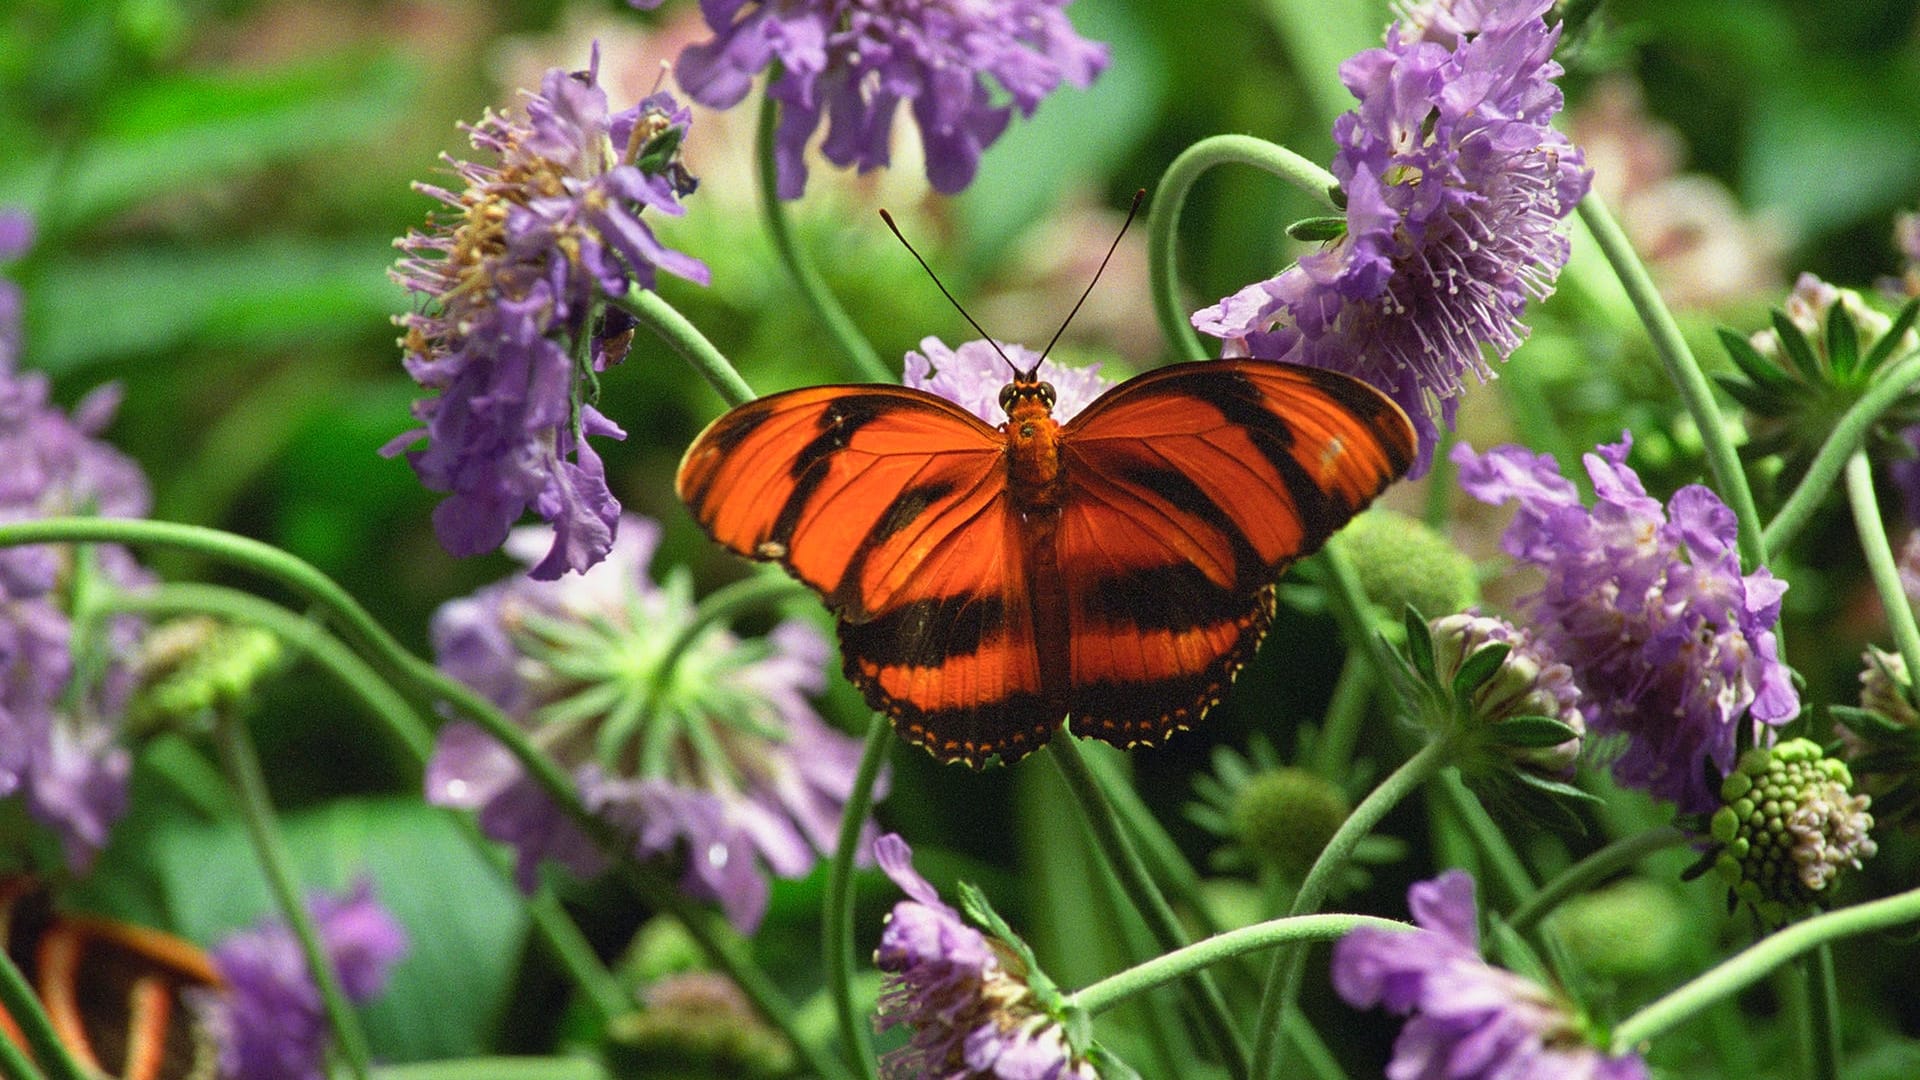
[[509, 284], [1788, 824], [970, 1000], [269, 1022], [971, 377], [1469, 1019], [1671, 643], [853, 62], [1455, 186], [1528, 684], [719, 754]]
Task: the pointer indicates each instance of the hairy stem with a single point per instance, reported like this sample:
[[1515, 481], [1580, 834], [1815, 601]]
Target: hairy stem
[[1823, 472], [1880, 562], [837, 918]]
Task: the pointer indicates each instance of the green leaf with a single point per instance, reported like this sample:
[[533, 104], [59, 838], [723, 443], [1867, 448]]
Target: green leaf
[[1757, 368], [1753, 398], [1420, 645], [1554, 787], [1478, 667], [1866, 721], [1531, 732], [1884, 348], [1843, 341], [1318, 229], [1798, 349]]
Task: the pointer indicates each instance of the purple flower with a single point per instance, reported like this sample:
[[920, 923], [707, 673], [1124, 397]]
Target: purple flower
[[16, 236], [968, 998], [509, 284], [720, 759], [1671, 643], [972, 375], [270, 1022], [852, 62], [1469, 1020], [59, 744], [1455, 186]]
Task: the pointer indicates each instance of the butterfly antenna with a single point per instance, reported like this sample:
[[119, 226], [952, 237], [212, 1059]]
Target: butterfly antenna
[[888, 218], [1131, 211]]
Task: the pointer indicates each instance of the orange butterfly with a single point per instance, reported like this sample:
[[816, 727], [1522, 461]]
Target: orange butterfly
[[989, 582]]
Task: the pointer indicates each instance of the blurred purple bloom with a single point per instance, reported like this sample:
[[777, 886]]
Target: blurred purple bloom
[[16, 236], [60, 749], [973, 1014], [724, 761], [971, 376], [507, 285], [1670, 642], [1468, 1019], [270, 1022], [1455, 188], [852, 62]]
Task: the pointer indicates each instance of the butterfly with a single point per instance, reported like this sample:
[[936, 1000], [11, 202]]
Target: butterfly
[[113, 990], [990, 582]]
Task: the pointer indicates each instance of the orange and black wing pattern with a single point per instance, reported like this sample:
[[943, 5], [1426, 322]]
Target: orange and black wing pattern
[[1189, 489], [893, 504]]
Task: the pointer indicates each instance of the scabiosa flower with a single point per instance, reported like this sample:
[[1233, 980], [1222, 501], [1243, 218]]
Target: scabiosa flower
[[269, 1021], [509, 285], [1468, 1019], [1672, 645], [977, 1007], [852, 63], [1788, 824], [719, 757], [1506, 706], [972, 375], [1455, 186]]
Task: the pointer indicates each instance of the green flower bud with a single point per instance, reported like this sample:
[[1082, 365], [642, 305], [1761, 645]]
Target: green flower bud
[[1285, 816], [1633, 929], [1401, 561], [196, 666], [1516, 709], [1789, 823]]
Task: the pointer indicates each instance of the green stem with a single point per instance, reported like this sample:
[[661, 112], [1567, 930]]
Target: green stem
[[1823, 1013], [1205, 953], [687, 340], [1346, 711], [1163, 217], [250, 787], [1591, 871], [1283, 977], [568, 945], [14, 1062], [837, 919], [1314, 1052], [1757, 960], [1162, 855], [16, 994], [497, 1068], [1494, 847], [813, 287], [1124, 860], [1823, 472], [1684, 371], [1352, 610], [1880, 563]]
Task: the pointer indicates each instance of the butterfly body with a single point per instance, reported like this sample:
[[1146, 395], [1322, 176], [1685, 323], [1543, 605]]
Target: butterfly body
[[990, 582]]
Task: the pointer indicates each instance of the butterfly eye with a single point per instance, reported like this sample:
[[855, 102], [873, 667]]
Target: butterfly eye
[[1046, 394], [1006, 398]]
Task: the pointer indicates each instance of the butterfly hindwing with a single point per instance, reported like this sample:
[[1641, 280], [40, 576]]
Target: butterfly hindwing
[[1189, 490]]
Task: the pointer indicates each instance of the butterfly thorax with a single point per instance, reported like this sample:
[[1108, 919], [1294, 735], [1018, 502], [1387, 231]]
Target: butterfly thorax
[[1033, 445]]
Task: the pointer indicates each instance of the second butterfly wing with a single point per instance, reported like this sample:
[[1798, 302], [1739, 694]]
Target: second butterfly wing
[[1189, 490], [893, 504]]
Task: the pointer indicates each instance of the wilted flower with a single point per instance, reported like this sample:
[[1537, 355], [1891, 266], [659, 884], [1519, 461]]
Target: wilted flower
[[510, 286], [718, 757], [1788, 824], [853, 62], [1455, 186], [974, 1003], [972, 375], [1468, 1019], [1671, 643], [269, 1021], [59, 743]]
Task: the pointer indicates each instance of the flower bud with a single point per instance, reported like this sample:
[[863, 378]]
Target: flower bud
[[192, 667], [1788, 824], [1516, 708], [1285, 816], [1634, 929], [1401, 560]]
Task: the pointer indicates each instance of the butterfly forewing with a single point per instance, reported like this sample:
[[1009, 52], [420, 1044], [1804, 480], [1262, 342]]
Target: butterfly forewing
[[1189, 490]]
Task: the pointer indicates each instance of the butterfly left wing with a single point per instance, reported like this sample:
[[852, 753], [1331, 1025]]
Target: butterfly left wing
[[1189, 489]]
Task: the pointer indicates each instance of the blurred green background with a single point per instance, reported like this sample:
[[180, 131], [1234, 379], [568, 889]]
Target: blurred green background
[[217, 186]]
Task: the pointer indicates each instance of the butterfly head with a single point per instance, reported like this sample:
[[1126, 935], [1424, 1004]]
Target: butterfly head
[[1026, 397]]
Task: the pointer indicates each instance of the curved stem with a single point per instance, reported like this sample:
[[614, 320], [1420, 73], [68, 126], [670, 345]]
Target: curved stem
[[14, 1062], [687, 340], [1203, 954], [1346, 712], [1592, 870], [16, 994], [1493, 844], [1823, 472], [1823, 1013], [1880, 563], [1124, 859], [1684, 371], [1163, 217], [1757, 960], [805, 275], [497, 1068], [837, 918], [1283, 977], [250, 787]]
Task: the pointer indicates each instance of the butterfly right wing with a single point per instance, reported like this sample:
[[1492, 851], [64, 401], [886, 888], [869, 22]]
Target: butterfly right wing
[[893, 504]]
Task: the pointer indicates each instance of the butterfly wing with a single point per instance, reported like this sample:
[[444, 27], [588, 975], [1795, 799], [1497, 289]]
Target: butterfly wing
[[1189, 489], [893, 504]]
